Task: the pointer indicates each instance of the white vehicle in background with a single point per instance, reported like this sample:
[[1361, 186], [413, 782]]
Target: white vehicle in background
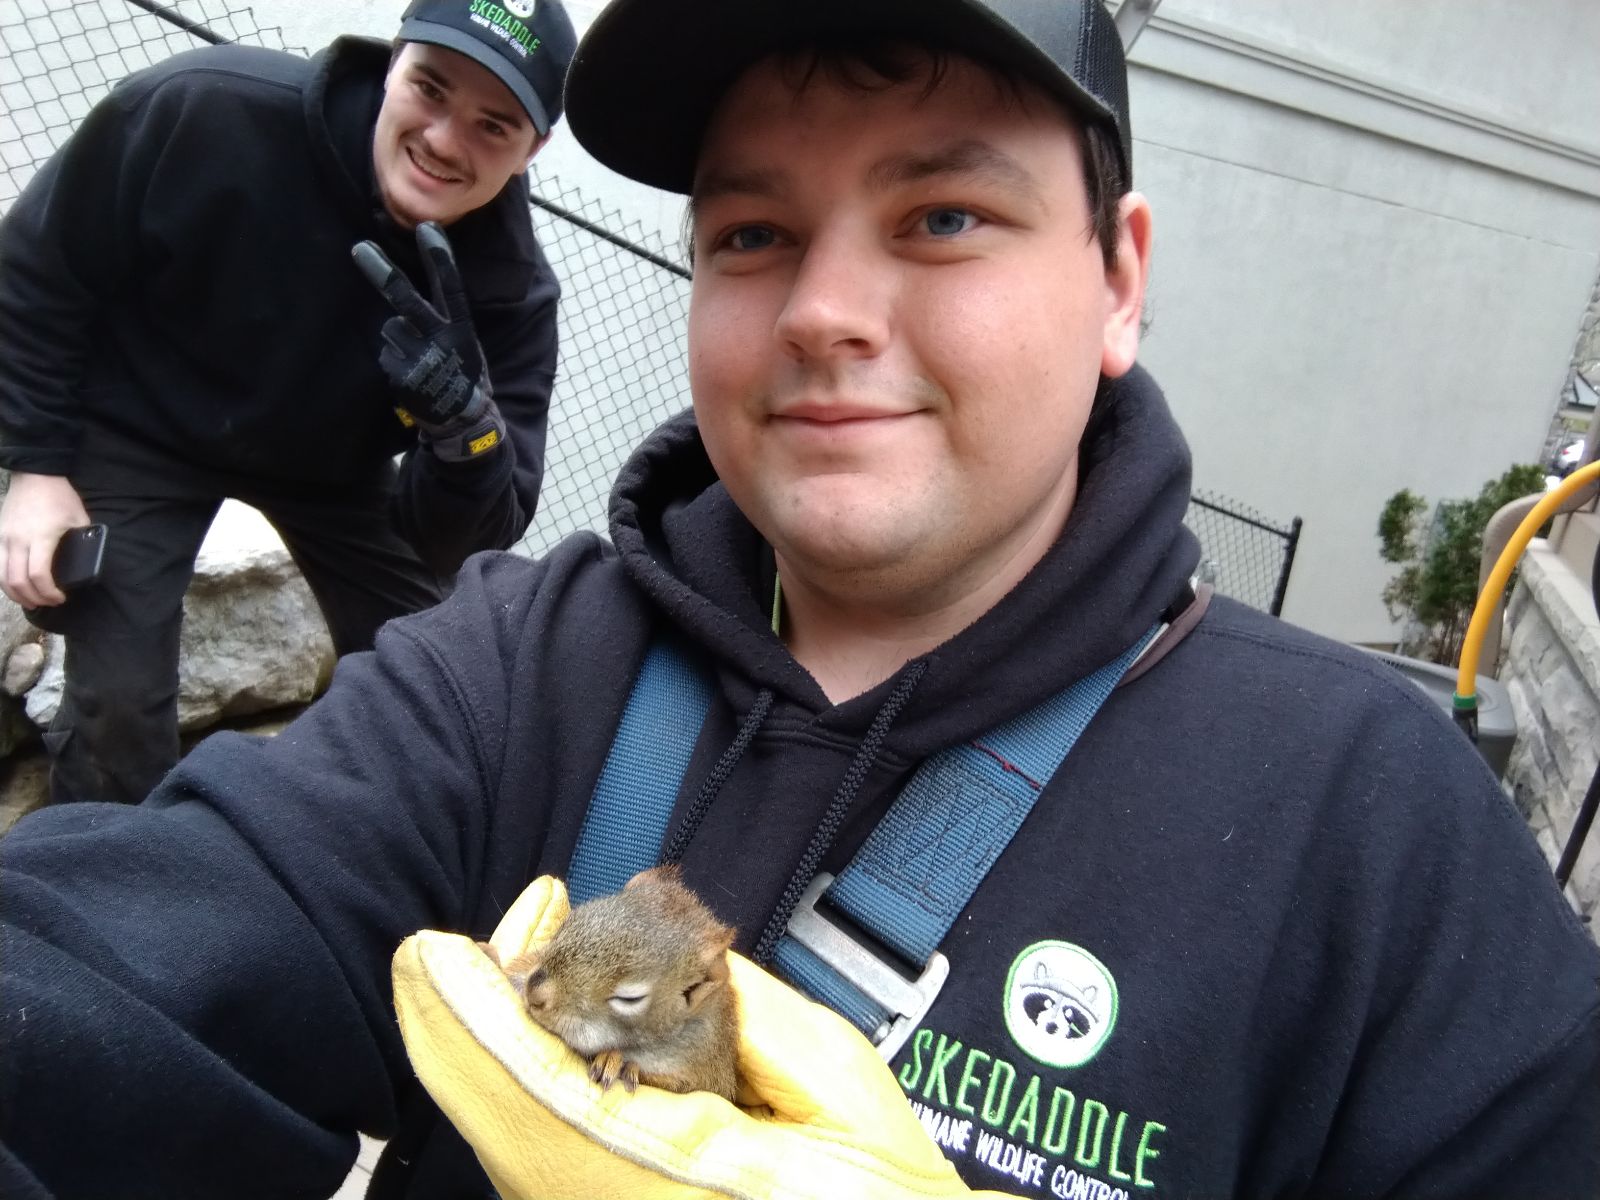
[[1567, 458]]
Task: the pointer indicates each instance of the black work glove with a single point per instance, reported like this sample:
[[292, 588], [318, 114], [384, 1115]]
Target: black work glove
[[431, 353]]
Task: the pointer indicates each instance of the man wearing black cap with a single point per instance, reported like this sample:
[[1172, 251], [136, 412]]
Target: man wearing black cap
[[181, 321], [893, 652]]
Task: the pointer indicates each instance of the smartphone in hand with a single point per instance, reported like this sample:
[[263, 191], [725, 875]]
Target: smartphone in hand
[[79, 556]]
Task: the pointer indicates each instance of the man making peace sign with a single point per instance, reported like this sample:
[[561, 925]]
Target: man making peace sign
[[181, 322]]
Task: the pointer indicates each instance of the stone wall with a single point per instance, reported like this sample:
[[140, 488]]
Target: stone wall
[[1552, 670], [1586, 357]]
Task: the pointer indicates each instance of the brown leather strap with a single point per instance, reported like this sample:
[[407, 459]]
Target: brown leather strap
[[1179, 625]]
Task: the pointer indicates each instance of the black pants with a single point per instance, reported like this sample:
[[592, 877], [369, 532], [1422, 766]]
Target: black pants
[[116, 732]]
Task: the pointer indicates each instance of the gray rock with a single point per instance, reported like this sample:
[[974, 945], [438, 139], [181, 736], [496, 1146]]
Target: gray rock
[[14, 630], [44, 697], [23, 667]]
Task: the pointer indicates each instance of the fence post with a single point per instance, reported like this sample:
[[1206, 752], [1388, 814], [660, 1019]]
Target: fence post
[[1290, 543]]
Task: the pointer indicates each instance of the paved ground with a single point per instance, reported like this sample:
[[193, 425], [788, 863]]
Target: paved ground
[[24, 780], [355, 1185]]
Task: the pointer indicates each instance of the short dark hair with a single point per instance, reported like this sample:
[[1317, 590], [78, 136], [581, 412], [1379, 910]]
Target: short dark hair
[[878, 64]]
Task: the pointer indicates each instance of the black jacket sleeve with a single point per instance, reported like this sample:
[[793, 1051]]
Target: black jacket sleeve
[[198, 988], [68, 243], [450, 510]]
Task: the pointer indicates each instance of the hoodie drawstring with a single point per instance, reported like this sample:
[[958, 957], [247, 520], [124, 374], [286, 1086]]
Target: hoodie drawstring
[[696, 812], [828, 828]]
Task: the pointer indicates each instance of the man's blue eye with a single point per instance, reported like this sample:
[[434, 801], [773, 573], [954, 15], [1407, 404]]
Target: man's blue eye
[[944, 222], [751, 237]]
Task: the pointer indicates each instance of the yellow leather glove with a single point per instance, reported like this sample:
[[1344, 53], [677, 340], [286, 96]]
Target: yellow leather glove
[[828, 1118]]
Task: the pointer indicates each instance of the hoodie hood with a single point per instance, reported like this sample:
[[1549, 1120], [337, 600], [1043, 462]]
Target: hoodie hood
[[1122, 559]]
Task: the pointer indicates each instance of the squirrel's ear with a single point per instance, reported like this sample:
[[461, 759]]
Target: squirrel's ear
[[714, 958], [714, 952], [697, 994], [522, 968], [655, 875]]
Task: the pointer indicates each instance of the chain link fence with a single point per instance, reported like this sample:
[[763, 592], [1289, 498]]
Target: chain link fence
[[57, 60], [624, 304], [1242, 554], [624, 294]]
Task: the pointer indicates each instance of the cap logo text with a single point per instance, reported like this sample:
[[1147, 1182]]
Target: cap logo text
[[504, 25]]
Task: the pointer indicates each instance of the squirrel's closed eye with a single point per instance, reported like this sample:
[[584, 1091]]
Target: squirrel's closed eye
[[629, 1002]]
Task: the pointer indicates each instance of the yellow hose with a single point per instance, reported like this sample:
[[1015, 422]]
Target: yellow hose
[[1466, 697]]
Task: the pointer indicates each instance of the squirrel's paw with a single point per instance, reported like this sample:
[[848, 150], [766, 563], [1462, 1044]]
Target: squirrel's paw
[[609, 1066]]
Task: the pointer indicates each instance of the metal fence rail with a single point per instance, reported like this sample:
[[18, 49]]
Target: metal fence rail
[[1243, 554], [624, 293]]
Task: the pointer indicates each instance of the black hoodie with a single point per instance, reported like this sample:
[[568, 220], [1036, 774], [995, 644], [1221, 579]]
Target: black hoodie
[[179, 274], [1340, 967]]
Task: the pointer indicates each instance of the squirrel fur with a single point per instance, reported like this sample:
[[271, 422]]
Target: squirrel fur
[[637, 983]]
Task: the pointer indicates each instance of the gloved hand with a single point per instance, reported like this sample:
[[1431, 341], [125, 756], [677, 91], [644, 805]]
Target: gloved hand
[[820, 1117], [431, 353]]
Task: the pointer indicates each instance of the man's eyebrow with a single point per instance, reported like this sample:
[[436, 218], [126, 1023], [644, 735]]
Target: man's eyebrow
[[444, 84], [765, 182], [440, 79], [970, 158], [509, 119]]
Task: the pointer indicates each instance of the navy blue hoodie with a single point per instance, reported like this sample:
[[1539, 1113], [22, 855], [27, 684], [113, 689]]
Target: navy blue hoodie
[[1339, 966], [179, 275]]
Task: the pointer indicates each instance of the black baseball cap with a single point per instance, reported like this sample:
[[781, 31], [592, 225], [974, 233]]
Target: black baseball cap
[[648, 73], [527, 44]]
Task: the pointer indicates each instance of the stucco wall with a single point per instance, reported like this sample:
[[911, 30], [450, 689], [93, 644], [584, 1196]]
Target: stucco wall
[[1370, 266], [1524, 65]]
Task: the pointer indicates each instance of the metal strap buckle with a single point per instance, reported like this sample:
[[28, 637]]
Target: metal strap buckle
[[907, 1000]]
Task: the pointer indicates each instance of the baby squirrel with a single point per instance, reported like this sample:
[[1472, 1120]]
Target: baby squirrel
[[637, 983]]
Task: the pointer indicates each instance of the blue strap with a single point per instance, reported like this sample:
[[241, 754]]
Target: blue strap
[[638, 786], [921, 865], [826, 986], [918, 868]]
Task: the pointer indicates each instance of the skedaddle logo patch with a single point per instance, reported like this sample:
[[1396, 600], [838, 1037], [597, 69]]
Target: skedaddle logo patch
[[523, 10], [1032, 1126], [1060, 1003]]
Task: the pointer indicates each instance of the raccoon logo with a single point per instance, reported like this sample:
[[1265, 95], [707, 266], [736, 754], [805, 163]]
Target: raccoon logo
[[1060, 1003], [1056, 1008], [521, 8]]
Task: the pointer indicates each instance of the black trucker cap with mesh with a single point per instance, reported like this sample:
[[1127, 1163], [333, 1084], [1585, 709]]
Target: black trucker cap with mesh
[[648, 73]]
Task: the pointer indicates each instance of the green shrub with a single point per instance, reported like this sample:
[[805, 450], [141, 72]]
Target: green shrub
[[1437, 585]]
